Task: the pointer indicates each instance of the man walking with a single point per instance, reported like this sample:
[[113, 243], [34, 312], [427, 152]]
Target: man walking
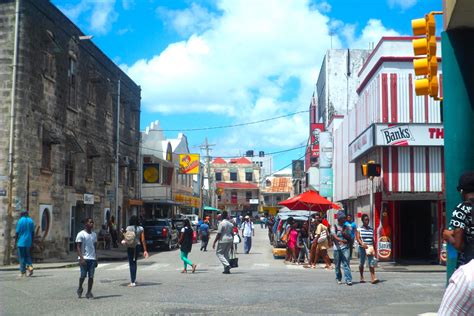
[[224, 238], [25, 230], [341, 237], [204, 235], [86, 243], [247, 231]]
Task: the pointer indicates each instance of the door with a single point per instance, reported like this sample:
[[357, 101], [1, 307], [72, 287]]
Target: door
[[415, 230]]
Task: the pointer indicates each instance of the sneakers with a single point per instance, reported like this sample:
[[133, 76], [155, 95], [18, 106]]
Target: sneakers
[[79, 292], [29, 271], [226, 270], [89, 296], [132, 284], [349, 283], [339, 282]]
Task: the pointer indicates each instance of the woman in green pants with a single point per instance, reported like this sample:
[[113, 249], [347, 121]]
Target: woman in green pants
[[186, 243]]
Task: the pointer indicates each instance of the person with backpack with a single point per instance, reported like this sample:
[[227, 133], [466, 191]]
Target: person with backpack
[[460, 233], [133, 235], [204, 235], [186, 244], [341, 239], [248, 232]]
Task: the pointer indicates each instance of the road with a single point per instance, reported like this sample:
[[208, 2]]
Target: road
[[260, 286]]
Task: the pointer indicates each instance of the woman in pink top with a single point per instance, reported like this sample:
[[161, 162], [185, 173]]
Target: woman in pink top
[[292, 241]]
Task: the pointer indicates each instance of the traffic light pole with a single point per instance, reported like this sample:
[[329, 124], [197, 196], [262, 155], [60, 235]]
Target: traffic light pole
[[458, 115], [372, 215]]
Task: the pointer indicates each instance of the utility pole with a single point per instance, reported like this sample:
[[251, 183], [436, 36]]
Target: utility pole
[[206, 146]]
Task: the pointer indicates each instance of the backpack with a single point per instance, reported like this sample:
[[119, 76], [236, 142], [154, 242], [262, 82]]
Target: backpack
[[130, 240]]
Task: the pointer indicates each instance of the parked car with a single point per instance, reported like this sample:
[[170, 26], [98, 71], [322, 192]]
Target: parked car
[[160, 233]]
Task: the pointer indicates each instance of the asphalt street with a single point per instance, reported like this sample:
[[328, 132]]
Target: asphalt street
[[260, 286]]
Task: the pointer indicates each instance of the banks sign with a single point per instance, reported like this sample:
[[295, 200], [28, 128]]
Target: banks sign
[[409, 135]]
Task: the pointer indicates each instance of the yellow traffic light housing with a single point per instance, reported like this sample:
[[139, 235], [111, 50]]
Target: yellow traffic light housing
[[363, 168], [426, 66]]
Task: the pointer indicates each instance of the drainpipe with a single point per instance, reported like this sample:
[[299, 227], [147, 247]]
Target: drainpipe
[[9, 221]]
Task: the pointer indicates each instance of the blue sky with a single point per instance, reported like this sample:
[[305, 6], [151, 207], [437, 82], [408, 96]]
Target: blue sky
[[212, 63]]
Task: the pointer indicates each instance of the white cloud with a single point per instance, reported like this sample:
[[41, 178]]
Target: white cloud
[[238, 64], [404, 4], [101, 14], [370, 34], [194, 19], [128, 4]]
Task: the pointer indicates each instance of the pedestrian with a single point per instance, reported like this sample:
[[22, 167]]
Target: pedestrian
[[291, 244], [353, 228], [458, 297], [461, 227], [247, 231], [365, 239], [86, 244], [186, 244], [224, 241], [303, 243], [270, 223], [113, 231], [320, 245], [25, 233], [204, 235], [341, 238], [133, 236], [236, 237]]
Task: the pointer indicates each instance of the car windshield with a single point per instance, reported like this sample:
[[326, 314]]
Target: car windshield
[[155, 223]]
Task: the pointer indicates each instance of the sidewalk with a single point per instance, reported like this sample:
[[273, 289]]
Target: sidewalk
[[70, 260]]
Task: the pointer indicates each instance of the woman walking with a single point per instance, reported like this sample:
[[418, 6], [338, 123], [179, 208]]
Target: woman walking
[[186, 243], [292, 242], [133, 236], [365, 238]]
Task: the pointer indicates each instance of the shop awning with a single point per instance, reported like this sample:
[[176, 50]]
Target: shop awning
[[163, 202], [210, 209]]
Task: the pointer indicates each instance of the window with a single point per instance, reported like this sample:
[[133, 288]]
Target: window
[[69, 170], [49, 65], [121, 175], [278, 198], [233, 176], [218, 176], [91, 93], [248, 195], [89, 168], [46, 155], [45, 222], [249, 176], [108, 173], [266, 198], [72, 83], [132, 176]]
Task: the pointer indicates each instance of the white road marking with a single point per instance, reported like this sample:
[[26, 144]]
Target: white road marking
[[120, 267], [103, 265], [155, 266]]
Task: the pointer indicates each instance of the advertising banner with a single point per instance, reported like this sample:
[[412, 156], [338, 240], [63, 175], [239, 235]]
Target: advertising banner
[[325, 182], [409, 135], [188, 163], [297, 169], [326, 147], [361, 144], [315, 130]]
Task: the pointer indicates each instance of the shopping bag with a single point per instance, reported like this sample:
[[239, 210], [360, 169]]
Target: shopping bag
[[233, 261]]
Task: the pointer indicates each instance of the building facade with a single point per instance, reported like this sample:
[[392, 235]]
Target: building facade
[[392, 126], [237, 185], [276, 189], [61, 106]]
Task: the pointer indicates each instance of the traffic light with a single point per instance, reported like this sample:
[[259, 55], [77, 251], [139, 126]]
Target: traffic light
[[371, 169], [426, 66], [363, 167]]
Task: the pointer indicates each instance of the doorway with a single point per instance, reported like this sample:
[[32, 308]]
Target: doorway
[[415, 230]]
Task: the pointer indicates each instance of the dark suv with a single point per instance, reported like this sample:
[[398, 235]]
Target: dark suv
[[160, 233]]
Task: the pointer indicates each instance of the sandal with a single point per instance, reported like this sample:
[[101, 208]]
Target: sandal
[[362, 281], [184, 271], [194, 268], [375, 281]]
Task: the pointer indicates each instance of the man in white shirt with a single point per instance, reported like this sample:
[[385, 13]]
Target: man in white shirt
[[225, 238], [457, 299], [86, 242], [247, 231]]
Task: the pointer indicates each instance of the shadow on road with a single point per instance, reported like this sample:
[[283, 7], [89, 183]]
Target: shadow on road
[[106, 296]]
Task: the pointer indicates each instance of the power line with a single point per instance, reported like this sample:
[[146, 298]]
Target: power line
[[228, 126]]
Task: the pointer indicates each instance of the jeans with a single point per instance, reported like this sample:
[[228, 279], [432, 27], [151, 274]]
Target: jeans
[[304, 251], [342, 257], [88, 269], [24, 257], [223, 251], [204, 241], [184, 257], [363, 257], [247, 244], [132, 262]]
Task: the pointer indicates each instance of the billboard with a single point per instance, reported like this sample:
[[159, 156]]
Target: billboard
[[325, 182], [409, 135], [188, 163], [362, 143], [326, 147], [297, 169], [315, 130]]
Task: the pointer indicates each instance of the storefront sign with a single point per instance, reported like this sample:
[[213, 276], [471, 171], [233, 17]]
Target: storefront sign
[[188, 163], [88, 199], [409, 135], [325, 182], [253, 201], [326, 147], [362, 143]]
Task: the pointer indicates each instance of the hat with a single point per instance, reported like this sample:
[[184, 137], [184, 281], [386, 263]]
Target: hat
[[341, 214], [246, 216], [466, 182]]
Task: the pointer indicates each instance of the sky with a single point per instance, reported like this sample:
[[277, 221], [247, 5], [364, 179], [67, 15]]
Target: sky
[[204, 64]]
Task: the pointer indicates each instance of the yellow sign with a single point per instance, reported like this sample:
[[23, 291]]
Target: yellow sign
[[188, 200], [189, 163], [273, 210]]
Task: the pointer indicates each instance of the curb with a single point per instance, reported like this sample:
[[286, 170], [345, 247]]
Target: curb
[[66, 265]]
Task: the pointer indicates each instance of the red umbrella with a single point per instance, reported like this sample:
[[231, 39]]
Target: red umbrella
[[310, 201]]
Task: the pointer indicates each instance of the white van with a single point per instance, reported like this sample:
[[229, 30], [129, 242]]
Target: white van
[[192, 218]]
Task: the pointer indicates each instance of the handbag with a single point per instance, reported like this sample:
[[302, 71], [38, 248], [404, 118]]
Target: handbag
[[323, 236], [233, 261], [237, 239]]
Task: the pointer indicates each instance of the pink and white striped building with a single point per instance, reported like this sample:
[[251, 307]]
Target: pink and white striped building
[[404, 133]]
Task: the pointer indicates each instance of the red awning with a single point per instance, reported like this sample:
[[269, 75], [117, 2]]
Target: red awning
[[309, 200]]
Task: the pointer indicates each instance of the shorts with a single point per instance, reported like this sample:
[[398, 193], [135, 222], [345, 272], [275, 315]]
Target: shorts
[[88, 268], [371, 259]]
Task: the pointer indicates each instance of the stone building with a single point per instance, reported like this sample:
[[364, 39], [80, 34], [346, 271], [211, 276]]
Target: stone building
[[62, 101]]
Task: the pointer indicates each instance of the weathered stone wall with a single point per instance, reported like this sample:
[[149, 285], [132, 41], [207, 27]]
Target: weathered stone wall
[[49, 41]]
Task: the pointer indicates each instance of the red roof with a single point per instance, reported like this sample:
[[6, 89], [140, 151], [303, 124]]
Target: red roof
[[241, 160], [236, 185], [219, 160]]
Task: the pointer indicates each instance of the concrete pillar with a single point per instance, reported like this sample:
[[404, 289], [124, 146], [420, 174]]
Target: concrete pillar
[[458, 110]]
